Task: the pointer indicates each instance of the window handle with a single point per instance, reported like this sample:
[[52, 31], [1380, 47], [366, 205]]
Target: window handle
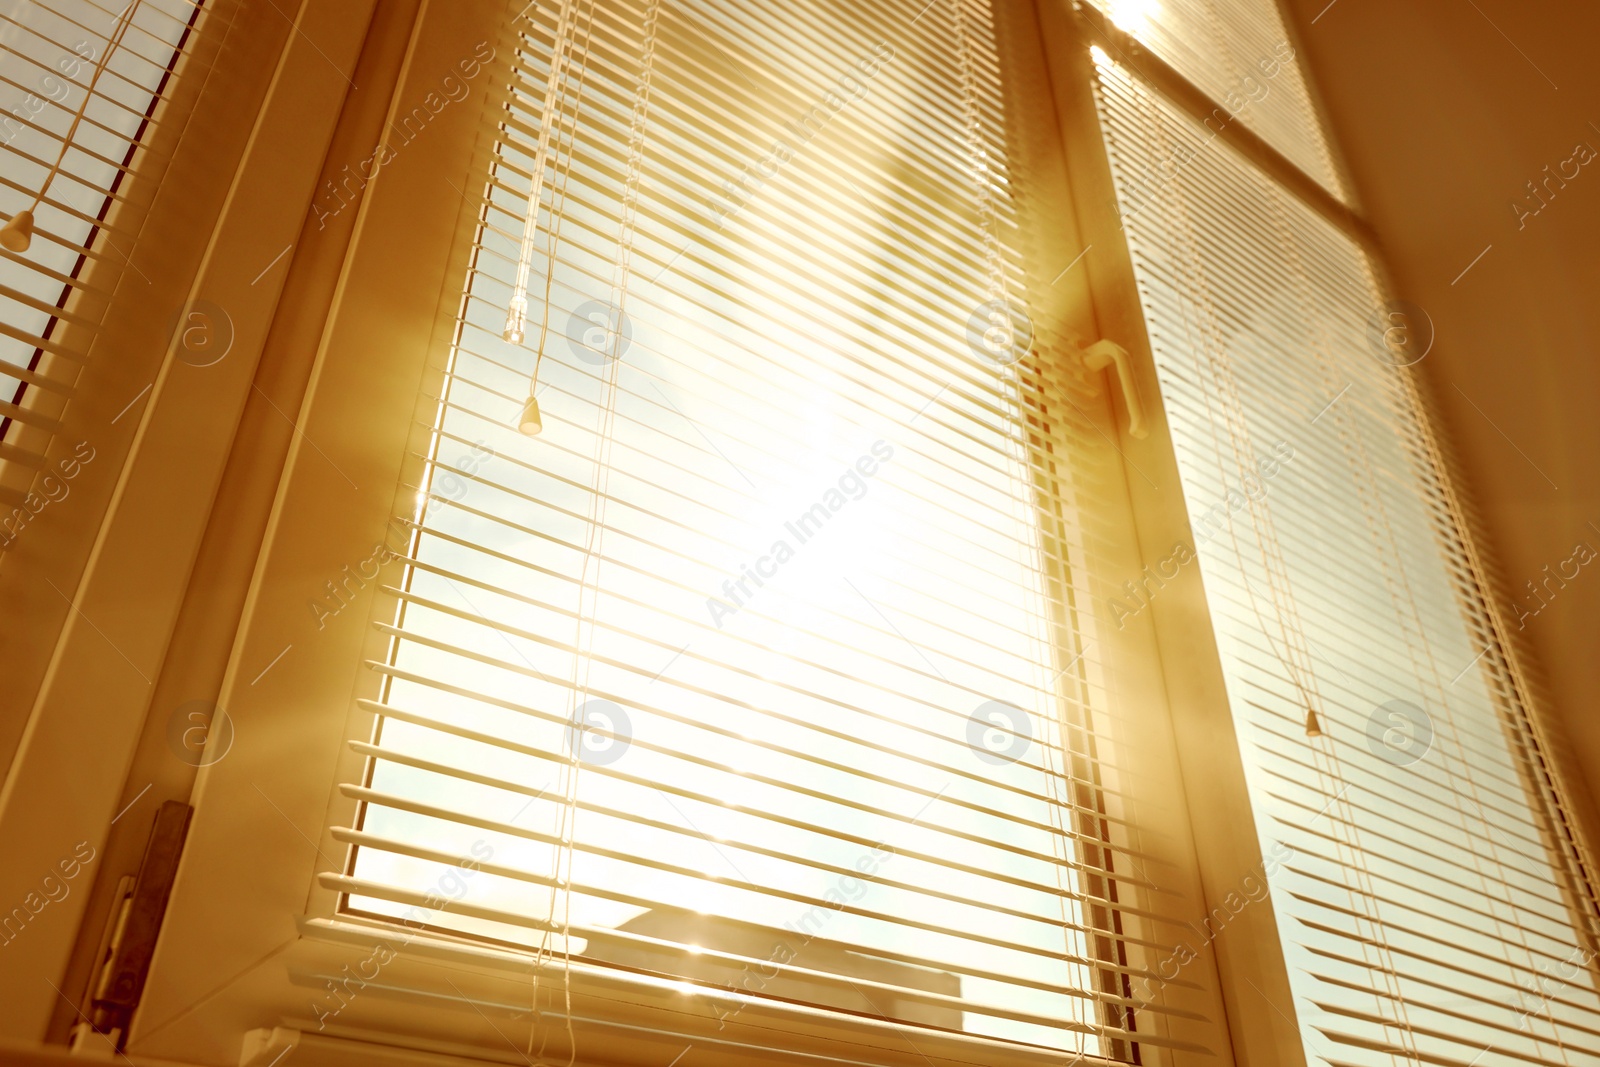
[[1096, 357]]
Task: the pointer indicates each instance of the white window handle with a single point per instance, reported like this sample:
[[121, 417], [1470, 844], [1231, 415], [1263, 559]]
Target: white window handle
[[1101, 353]]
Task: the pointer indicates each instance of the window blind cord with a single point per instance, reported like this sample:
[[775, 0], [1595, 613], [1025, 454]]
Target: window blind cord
[[1327, 758], [630, 187], [517, 306], [601, 465], [1223, 376], [607, 410], [529, 421], [603, 441], [1332, 780], [1302, 676], [1463, 788], [17, 234], [550, 119], [977, 158], [579, 687], [1354, 858], [1351, 856]]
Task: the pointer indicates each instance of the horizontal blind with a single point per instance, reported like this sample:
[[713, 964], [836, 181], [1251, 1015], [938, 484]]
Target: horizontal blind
[[48, 53], [1241, 55], [762, 668], [1424, 906]]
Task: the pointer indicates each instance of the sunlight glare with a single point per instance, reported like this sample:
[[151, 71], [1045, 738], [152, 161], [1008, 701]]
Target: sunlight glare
[[1133, 16]]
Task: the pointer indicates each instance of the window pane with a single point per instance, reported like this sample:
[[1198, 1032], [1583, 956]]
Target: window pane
[[778, 547], [46, 64], [1238, 52], [1421, 911]]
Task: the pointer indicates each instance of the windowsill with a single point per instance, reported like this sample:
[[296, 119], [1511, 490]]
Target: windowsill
[[470, 1002]]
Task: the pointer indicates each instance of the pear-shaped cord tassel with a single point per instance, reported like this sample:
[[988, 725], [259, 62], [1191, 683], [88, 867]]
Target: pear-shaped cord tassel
[[530, 422], [17, 234]]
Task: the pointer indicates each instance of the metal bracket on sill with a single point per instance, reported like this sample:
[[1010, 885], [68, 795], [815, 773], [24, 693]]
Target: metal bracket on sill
[[135, 921], [1102, 354]]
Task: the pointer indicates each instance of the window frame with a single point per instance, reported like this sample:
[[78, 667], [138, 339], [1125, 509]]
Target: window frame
[[96, 579], [1253, 976], [1553, 787], [226, 975]]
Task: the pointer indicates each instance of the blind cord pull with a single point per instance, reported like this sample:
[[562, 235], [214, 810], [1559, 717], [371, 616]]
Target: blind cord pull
[[529, 420], [17, 234]]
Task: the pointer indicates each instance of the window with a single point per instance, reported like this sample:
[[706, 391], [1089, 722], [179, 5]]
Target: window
[[793, 691], [1430, 905], [48, 56], [764, 666], [1240, 56]]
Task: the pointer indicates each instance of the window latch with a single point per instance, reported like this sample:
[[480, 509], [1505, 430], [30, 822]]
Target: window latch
[[1106, 353]]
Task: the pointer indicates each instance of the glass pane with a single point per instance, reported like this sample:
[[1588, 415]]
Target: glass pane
[[1421, 913], [1239, 53], [777, 551]]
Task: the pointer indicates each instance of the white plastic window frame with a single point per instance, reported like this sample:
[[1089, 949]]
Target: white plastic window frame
[[250, 936]]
